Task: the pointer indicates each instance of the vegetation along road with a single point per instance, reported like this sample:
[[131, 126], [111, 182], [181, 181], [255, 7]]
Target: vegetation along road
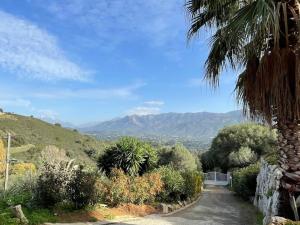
[[217, 206]]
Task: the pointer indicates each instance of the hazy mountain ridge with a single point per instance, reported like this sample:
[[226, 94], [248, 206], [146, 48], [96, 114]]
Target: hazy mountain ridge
[[202, 126]]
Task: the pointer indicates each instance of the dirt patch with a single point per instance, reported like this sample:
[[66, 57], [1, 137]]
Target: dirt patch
[[80, 216], [126, 210], [133, 210]]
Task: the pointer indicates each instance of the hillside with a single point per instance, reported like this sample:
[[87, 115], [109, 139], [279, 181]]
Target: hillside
[[31, 135], [195, 129]]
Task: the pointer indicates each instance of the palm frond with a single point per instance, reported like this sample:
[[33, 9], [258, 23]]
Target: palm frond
[[263, 36]]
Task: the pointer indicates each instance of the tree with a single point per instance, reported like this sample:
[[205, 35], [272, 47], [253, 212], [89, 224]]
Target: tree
[[238, 146], [243, 157], [261, 36], [179, 157], [129, 154]]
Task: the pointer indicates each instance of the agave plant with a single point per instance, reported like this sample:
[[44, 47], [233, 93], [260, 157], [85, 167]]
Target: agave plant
[[261, 37]]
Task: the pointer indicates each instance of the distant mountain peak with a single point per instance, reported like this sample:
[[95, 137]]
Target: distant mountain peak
[[199, 126]]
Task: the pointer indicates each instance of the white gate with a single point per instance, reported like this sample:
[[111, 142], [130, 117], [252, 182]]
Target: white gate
[[217, 178]]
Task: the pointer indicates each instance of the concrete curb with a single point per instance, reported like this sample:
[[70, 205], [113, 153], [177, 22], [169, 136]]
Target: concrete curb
[[182, 208]]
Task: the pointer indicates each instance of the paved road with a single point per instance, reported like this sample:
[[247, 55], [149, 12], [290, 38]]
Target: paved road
[[217, 206]]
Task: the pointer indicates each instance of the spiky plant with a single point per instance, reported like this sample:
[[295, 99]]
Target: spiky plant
[[262, 37]]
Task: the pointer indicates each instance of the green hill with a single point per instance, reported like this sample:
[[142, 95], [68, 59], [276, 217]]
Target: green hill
[[31, 135]]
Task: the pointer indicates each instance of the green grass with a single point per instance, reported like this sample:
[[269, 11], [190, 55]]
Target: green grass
[[21, 149], [292, 223], [259, 218], [31, 135], [35, 216], [39, 216]]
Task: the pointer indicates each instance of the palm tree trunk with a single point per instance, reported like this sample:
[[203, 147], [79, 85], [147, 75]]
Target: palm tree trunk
[[289, 147]]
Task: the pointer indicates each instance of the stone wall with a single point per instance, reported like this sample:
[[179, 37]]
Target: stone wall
[[267, 194], [278, 221]]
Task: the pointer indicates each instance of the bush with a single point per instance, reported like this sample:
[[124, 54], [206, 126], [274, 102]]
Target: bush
[[129, 154], [52, 184], [244, 181], [146, 187], [192, 183], [81, 189], [122, 188], [18, 141], [22, 168], [243, 157], [178, 157], [259, 139], [173, 184], [63, 182]]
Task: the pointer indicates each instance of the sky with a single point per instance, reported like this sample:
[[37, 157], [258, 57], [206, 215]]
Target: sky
[[93, 60]]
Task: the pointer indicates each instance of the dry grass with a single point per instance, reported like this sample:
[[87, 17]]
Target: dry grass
[[126, 210]]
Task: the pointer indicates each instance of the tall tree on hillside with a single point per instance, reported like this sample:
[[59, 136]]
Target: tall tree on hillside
[[261, 36]]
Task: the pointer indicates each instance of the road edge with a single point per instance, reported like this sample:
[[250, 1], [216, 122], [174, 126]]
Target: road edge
[[182, 208]]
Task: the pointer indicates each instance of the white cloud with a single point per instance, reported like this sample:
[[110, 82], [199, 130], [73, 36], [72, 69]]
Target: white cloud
[[11, 93], [91, 93], [142, 110], [148, 108], [47, 114], [154, 102], [30, 51], [161, 22]]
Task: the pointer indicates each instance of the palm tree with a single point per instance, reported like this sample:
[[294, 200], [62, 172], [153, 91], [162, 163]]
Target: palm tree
[[261, 37]]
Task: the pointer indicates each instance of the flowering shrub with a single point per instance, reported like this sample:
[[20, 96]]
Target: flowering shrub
[[52, 183], [22, 168]]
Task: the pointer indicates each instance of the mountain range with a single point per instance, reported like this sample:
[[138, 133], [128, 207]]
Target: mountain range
[[195, 129]]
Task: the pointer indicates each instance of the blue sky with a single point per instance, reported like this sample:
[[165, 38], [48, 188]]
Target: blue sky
[[93, 60]]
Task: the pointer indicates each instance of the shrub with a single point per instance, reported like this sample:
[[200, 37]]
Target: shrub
[[145, 188], [259, 139], [243, 157], [52, 183], [173, 183], [18, 141], [129, 154], [244, 181], [53, 155], [192, 183], [91, 152], [122, 188], [22, 168], [179, 157], [81, 189]]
